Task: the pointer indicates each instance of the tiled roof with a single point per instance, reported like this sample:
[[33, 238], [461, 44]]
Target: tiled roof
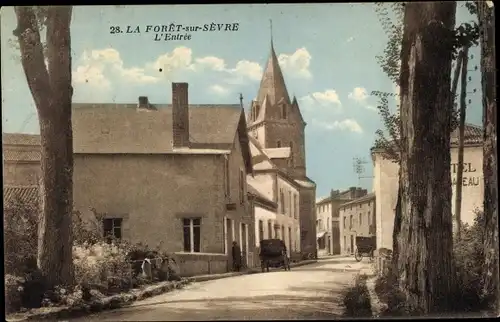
[[20, 139], [473, 134], [28, 195], [122, 128], [369, 196], [20, 155]]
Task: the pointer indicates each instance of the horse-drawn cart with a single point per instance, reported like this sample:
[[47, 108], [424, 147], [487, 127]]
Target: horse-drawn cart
[[365, 247]]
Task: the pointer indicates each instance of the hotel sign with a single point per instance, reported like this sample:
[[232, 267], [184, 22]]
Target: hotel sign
[[469, 177]]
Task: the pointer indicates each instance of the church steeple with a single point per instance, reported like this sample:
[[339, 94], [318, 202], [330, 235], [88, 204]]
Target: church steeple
[[272, 83]]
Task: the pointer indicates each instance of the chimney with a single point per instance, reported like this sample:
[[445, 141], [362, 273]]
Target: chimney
[[180, 115], [352, 193], [143, 102]]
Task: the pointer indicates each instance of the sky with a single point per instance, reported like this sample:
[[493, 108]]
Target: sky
[[326, 51]]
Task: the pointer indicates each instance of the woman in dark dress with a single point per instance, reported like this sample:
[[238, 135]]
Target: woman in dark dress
[[236, 252]]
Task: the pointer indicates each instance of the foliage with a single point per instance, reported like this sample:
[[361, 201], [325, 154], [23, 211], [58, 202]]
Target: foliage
[[356, 299], [20, 235], [465, 34], [469, 264]]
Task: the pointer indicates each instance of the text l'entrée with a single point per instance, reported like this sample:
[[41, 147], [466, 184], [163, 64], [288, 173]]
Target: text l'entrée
[[174, 31]]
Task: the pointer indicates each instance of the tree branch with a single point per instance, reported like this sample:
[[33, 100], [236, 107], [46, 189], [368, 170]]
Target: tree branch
[[32, 58]]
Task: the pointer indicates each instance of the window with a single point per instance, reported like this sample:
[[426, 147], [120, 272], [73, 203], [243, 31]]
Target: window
[[242, 186], [278, 144], [289, 239], [345, 226], [261, 230], [257, 110], [290, 200], [226, 176], [296, 207], [283, 111], [282, 201], [345, 242], [360, 205], [112, 228], [192, 234], [350, 222], [368, 218], [360, 219], [269, 230]]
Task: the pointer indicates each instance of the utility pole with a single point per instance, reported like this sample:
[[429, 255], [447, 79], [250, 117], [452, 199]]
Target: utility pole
[[359, 168]]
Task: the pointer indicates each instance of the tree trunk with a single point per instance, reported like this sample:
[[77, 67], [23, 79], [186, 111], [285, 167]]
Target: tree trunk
[[52, 92], [488, 81], [425, 241], [461, 130]]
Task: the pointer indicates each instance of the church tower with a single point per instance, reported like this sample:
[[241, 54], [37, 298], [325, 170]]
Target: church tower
[[275, 120]]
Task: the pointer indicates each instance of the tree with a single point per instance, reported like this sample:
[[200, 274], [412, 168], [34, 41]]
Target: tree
[[465, 35], [48, 74], [425, 244], [486, 17]]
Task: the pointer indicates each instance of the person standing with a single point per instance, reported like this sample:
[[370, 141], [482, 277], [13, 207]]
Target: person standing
[[236, 252]]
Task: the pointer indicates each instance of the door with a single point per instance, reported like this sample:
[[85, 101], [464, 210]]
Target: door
[[329, 244], [229, 243], [289, 248], [244, 248], [352, 244]]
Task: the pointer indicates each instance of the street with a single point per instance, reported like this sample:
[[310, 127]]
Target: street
[[307, 292]]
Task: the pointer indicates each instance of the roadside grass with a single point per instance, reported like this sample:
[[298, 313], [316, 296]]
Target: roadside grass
[[356, 299]]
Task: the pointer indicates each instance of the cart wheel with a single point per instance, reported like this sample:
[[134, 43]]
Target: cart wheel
[[358, 256]]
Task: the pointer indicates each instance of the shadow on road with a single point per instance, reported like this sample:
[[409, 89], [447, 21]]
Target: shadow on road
[[319, 300]]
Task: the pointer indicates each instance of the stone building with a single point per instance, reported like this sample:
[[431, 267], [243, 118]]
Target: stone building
[[276, 210], [167, 175], [385, 183], [357, 219], [275, 121], [21, 159], [328, 223]]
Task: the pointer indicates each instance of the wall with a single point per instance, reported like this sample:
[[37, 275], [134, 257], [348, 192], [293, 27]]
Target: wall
[[308, 221], [386, 186], [21, 173], [366, 208], [270, 186]]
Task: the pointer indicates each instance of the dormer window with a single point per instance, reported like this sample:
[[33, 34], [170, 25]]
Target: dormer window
[[283, 111]]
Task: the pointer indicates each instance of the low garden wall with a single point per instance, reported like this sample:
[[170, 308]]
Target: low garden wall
[[191, 264]]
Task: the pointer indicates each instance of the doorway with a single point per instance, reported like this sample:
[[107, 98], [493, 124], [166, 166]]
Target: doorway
[[229, 243]]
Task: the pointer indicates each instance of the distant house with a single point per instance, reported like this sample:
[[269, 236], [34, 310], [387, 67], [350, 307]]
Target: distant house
[[166, 175], [15, 197], [276, 208], [357, 219], [328, 222]]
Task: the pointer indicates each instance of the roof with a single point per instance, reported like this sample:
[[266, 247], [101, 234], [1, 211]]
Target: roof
[[473, 135], [260, 196], [306, 182], [20, 155], [278, 153], [261, 161], [272, 84], [338, 195], [122, 128], [366, 198], [20, 139], [28, 195]]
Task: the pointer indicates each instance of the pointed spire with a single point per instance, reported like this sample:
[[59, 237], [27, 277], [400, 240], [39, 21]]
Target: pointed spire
[[272, 83]]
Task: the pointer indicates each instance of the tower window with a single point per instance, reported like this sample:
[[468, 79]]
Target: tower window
[[283, 111], [278, 144]]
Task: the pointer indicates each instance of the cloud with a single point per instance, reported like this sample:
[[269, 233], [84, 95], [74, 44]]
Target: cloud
[[348, 125], [297, 64], [219, 90], [90, 75], [360, 95], [350, 39], [328, 97]]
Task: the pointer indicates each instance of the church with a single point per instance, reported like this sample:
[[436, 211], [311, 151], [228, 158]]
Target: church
[[277, 131]]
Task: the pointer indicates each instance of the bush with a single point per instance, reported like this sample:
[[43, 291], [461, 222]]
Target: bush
[[13, 293], [357, 299], [469, 262], [20, 236]]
